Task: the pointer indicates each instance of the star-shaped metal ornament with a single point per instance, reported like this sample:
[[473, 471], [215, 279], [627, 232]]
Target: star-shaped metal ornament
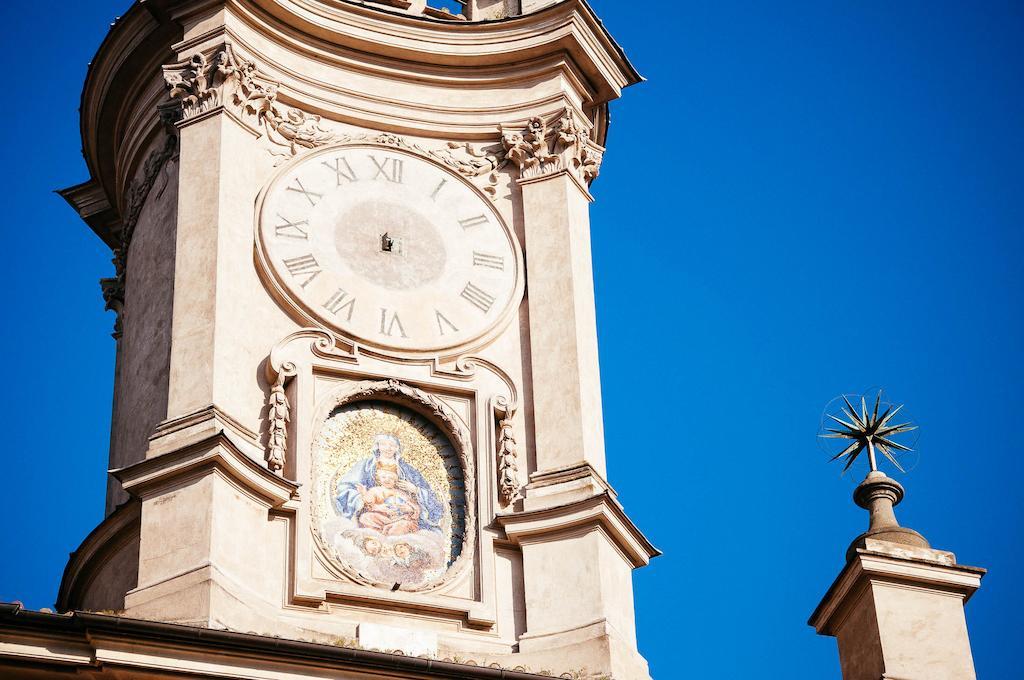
[[867, 430]]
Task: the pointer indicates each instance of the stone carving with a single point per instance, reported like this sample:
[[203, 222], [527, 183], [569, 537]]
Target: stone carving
[[113, 298], [540, 149], [508, 464], [529, 149], [135, 198], [198, 82], [297, 129], [201, 84], [278, 415], [584, 156]]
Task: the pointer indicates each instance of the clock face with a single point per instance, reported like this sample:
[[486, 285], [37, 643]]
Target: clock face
[[389, 248]]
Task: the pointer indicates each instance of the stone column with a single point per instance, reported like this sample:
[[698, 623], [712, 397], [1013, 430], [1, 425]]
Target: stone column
[[563, 328], [897, 607], [213, 249]]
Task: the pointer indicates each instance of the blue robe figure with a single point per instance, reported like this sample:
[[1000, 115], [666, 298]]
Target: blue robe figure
[[348, 501]]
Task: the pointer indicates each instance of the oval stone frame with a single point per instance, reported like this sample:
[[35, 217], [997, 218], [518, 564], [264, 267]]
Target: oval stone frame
[[298, 309], [439, 415]]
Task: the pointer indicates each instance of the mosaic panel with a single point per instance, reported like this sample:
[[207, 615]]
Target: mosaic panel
[[389, 495]]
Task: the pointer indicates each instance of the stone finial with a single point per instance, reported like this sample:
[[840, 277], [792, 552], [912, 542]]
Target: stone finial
[[878, 494]]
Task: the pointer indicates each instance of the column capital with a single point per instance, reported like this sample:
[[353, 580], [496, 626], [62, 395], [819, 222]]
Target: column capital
[[541, 148]]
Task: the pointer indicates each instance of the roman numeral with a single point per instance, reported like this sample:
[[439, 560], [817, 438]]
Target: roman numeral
[[477, 297], [443, 321], [489, 261], [304, 265], [389, 321], [390, 169], [282, 230], [473, 221], [433, 196], [298, 188], [339, 302], [342, 170]]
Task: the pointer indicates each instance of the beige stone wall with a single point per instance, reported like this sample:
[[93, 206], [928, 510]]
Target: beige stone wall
[[115, 575], [141, 389]]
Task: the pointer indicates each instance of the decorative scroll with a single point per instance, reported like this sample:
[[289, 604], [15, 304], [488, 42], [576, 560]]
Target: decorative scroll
[[280, 368], [540, 149], [509, 486]]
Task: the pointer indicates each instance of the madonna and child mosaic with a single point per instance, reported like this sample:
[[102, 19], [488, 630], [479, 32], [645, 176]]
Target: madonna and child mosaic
[[390, 498]]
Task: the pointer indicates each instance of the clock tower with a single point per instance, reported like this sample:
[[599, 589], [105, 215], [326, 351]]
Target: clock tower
[[357, 398]]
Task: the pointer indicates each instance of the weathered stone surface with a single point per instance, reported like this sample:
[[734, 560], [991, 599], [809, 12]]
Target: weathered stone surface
[[357, 391]]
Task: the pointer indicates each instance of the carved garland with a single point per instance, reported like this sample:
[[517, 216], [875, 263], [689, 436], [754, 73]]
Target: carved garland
[[509, 486], [201, 84], [278, 415]]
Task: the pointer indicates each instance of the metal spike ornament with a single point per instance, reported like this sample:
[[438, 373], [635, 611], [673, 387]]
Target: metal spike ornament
[[869, 431], [873, 431]]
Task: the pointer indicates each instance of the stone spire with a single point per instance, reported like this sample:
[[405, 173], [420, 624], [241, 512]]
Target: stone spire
[[878, 494], [897, 607]]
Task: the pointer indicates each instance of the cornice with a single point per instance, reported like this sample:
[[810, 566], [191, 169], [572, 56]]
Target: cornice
[[85, 642], [129, 55], [601, 511], [375, 30], [197, 444], [868, 567]]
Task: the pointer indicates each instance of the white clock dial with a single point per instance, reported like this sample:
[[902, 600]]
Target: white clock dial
[[389, 248]]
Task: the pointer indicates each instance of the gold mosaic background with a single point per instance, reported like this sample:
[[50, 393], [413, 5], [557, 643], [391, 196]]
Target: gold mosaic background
[[347, 438]]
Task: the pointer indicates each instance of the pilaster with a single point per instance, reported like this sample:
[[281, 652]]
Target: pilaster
[[212, 244], [555, 165], [592, 545], [204, 503]]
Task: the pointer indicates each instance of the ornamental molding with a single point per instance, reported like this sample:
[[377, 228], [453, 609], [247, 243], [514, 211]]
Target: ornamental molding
[[540, 149], [204, 83]]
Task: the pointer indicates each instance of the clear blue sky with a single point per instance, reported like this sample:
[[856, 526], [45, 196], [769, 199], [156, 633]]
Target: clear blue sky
[[806, 198]]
